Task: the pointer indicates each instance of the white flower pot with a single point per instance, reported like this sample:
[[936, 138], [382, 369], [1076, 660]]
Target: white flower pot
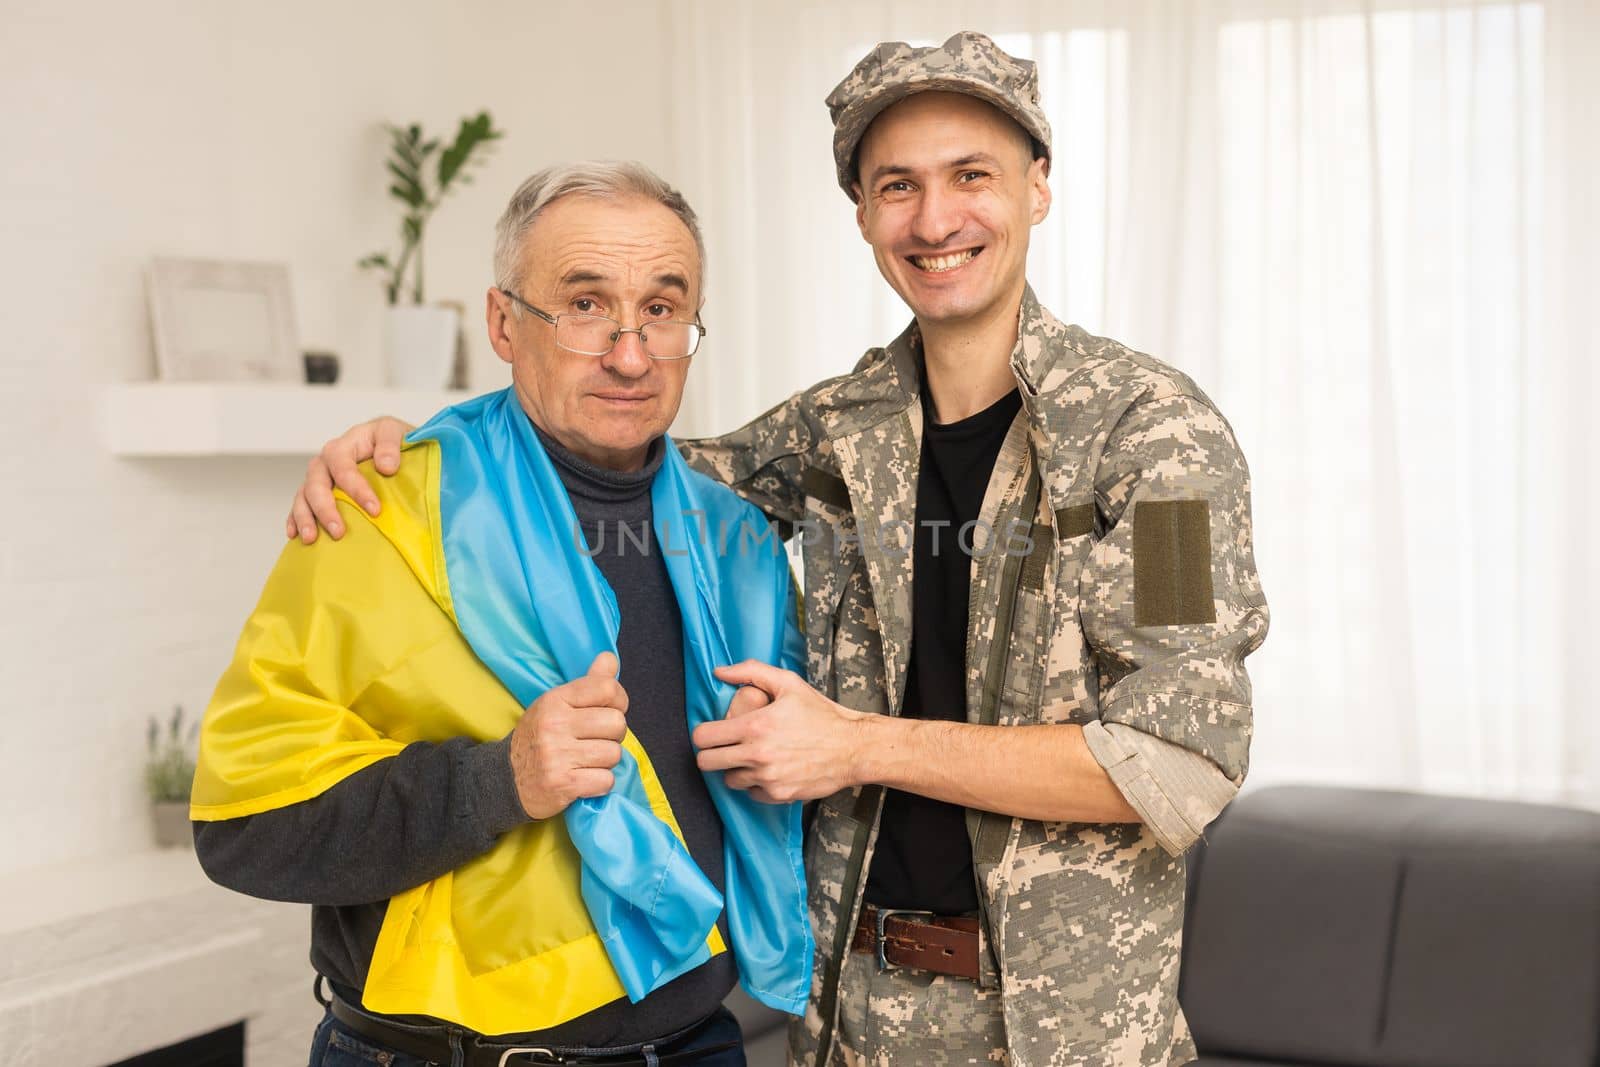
[[420, 345], [171, 821]]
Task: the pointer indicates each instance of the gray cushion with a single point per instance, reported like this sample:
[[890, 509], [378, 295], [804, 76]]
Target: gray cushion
[[1497, 944], [1286, 945], [1386, 929]]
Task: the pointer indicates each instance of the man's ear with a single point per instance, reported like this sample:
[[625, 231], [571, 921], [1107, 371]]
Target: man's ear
[[1039, 188], [497, 316], [861, 210]]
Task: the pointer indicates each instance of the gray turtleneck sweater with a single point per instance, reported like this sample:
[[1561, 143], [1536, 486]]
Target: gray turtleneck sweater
[[432, 807]]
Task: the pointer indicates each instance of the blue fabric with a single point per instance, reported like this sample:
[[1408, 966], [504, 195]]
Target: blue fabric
[[536, 610]]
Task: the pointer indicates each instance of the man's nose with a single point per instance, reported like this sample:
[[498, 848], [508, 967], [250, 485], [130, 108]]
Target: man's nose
[[627, 357], [937, 219]]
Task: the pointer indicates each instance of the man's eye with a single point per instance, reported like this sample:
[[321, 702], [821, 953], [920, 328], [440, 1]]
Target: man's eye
[[584, 306], [973, 175], [658, 311], [896, 187]]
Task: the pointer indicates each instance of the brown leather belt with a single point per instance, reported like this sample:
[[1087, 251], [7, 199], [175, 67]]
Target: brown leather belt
[[903, 938]]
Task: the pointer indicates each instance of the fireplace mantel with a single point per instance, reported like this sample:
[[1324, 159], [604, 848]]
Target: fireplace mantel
[[105, 959]]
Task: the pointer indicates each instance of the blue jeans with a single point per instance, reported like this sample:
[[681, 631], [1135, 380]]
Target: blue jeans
[[336, 1045]]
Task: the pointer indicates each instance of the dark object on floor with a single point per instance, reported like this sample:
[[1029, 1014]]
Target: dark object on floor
[[1358, 927]]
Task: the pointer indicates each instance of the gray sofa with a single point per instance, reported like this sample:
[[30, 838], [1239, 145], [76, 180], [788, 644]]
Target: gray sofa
[[1357, 927]]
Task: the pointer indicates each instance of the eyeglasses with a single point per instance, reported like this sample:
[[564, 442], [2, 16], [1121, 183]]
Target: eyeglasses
[[596, 335]]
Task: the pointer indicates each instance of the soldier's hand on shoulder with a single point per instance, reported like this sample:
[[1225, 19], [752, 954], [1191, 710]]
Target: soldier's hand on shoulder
[[336, 467], [568, 741]]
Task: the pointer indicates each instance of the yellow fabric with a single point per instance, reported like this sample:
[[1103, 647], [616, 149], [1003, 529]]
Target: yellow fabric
[[352, 653]]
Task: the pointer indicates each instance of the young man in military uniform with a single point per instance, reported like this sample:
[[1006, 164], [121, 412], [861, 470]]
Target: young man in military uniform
[[1029, 592]]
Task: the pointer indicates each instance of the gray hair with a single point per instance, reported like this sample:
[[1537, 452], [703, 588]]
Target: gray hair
[[605, 179]]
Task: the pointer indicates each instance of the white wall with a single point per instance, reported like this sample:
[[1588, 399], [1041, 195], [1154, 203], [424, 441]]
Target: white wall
[[232, 131]]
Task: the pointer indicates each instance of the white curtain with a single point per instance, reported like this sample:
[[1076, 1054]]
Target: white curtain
[[1365, 228]]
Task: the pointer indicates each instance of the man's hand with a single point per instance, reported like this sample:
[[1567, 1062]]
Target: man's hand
[[568, 740], [379, 441], [789, 743], [803, 746]]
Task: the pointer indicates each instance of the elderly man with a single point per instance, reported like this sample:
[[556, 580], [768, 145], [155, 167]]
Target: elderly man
[[1030, 588], [511, 854]]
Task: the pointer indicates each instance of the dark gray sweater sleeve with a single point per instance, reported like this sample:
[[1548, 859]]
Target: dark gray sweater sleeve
[[387, 828]]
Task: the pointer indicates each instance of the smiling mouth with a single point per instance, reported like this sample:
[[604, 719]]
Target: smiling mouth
[[945, 263], [618, 398]]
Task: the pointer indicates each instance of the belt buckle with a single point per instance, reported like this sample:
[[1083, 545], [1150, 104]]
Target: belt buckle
[[883, 915], [510, 1052]]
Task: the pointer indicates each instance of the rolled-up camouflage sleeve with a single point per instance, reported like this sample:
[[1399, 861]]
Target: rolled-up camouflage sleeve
[[763, 461], [1171, 604]]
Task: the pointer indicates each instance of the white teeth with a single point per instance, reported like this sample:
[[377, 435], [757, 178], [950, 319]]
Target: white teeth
[[939, 264]]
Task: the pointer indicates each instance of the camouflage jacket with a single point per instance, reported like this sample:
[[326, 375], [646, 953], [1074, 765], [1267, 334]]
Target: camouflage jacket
[[1119, 592]]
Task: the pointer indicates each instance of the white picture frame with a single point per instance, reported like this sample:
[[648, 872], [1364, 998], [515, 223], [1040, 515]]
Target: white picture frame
[[217, 321]]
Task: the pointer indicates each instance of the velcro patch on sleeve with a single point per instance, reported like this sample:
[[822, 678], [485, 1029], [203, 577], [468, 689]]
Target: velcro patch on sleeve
[[1172, 563]]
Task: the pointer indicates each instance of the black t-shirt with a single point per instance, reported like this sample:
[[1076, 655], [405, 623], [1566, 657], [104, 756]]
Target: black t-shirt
[[923, 859]]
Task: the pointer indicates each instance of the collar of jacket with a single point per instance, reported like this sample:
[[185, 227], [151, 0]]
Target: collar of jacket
[[1046, 356]]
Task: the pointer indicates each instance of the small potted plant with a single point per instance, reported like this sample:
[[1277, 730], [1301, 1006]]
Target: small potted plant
[[421, 339], [168, 776]]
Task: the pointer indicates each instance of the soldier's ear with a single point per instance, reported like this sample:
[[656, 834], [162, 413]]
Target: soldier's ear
[[861, 211], [1039, 189]]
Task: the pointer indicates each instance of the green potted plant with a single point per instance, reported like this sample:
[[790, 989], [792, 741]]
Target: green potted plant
[[168, 777], [420, 340]]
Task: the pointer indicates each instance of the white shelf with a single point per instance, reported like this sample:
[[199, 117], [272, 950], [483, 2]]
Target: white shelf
[[249, 419]]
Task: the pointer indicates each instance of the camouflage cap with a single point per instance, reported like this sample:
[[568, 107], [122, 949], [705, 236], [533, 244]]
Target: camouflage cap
[[967, 63]]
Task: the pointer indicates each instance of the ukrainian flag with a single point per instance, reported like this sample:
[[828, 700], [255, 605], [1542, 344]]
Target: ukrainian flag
[[462, 602]]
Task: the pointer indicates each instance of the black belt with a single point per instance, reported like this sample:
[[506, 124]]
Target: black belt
[[432, 1043]]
